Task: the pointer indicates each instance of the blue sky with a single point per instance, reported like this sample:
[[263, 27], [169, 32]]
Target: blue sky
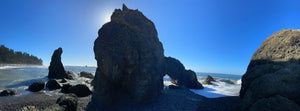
[[205, 35]]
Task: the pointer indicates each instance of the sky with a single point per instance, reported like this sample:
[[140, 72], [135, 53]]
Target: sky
[[217, 36]]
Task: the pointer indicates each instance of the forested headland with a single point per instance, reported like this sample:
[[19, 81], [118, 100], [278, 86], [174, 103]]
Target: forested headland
[[9, 56]]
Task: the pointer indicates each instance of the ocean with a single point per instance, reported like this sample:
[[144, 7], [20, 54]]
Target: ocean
[[20, 77]]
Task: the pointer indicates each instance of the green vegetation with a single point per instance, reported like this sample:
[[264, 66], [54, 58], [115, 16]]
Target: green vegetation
[[9, 56]]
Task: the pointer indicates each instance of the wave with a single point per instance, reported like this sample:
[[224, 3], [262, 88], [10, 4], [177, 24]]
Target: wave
[[21, 66]]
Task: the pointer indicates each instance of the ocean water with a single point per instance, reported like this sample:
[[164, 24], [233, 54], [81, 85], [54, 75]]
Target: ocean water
[[20, 77]]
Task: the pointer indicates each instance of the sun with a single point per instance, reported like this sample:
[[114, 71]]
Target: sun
[[107, 18]]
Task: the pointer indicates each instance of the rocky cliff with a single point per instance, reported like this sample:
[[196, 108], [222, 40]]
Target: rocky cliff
[[130, 60], [272, 79]]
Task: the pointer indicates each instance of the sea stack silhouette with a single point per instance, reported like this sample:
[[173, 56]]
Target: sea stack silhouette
[[56, 68], [272, 80], [130, 60]]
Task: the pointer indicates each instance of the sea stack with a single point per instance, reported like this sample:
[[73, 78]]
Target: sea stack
[[179, 75], [56, 68], [272, 80], [129, 58]]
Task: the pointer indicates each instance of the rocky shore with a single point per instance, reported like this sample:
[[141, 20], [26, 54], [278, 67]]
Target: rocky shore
[[169, 100]]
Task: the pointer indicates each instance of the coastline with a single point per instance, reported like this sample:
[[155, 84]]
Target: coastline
[[170, 100], [3, 65]]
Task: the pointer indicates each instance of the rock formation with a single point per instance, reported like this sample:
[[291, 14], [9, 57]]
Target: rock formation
[[129, 58], [80, 90], [53, 84], [131, 62], [272, 79], [56, 68], [179, 75], [66, 102], [8, 92], [86, 74], [37, 86], [208, 80]]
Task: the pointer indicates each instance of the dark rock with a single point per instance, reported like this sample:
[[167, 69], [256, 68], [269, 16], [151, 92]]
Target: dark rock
[[208, 80], [179, 75], [37, 86], [53, 84], [56, 68], [80, 90], [130, 59], [86, 74], [273, 70], [55, 107], [66, 88], [68, 101], [8, 92], [274, 103], [176, 87], [71, 75], [227, 81]]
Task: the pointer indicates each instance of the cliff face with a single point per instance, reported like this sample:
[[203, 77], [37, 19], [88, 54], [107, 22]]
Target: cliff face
[[272, 79]]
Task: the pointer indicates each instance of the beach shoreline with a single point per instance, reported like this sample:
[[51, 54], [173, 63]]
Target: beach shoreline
[[170, 99]]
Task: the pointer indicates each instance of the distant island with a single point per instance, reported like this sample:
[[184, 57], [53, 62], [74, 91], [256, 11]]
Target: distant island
[[9, 56]]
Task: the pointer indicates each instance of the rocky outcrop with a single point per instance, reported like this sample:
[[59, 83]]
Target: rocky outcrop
[[56, 68], [272, 77], [66, 102], [179, 75], [130, 59], [80, 90], [53, 84], [86, 74], [66, 88], [37, 86], [208, 80], [8, 92]]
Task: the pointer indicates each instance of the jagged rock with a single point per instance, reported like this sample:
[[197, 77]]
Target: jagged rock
[[176, 87], [179, 75], [8, 92], [273, 70], [53, 84], [80, 90], [37, 86], [56, 68], [208, 80], [66, 88], [86, 74], [130, 59]]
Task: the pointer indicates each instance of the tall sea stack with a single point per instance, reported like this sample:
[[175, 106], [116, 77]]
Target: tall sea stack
[[56, 68], [129, 59], [272, 80]]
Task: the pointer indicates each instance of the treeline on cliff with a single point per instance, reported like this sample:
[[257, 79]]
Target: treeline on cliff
[[9, 56]]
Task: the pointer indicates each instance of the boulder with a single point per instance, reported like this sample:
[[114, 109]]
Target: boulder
[[56, 68], [273, 74], [86, 74], [29, 108], [8, 92], [66, 88], [68, 101], [53, 84], [208, 80], [71, 75], [80, 90], [63, 80], [129, 58], [176, 87], [227, 81], [37, 86], [179, 75]]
